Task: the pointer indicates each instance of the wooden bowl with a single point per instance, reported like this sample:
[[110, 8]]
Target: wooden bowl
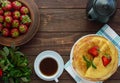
[[22, 39]]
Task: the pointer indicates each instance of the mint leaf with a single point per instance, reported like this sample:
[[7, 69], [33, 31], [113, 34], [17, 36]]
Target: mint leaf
[[89, 63], [6, 50]]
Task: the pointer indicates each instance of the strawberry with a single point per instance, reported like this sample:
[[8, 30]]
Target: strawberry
[[6, 5], [1, 18], [23, 28], [1, 27], [5, 32], [7, 13], [7, 25], [106, 60], [94, 51], [25, 19], [16, 5], [15, 23], [14, 32], [8, 19], [24, 10], [1, 11], [16, 14], [1, 73]]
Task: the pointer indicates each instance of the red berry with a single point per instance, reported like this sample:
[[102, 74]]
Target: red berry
[[16, 14], [7, 25], [14, 32], [23, 28], [6, 5], [8, 19], [94, 51], [5, 32], [1, 73], [1, 18], [15, 23], [24, 10], [16, 5], [1, 11], [7, 13], [106, 60]]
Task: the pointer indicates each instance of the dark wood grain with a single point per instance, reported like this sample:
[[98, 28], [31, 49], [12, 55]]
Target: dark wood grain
[[66, 4], [62, 22]]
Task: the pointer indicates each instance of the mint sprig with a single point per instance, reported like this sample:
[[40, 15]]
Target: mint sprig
[[14, 65], [89, 63]]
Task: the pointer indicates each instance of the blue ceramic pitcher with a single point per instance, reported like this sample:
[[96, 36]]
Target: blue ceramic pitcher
[[101, 10]]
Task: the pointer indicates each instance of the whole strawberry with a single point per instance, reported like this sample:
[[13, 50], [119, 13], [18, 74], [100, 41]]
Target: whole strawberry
[[15, 23], [1, 18], [23, 28], [8, 19], [16, 14], [6, 5], [1, 27], [7, 25], [7, 13], [5, 32], [16, 5], [14, 32], [24, 10], [25, 19], [1, 11]]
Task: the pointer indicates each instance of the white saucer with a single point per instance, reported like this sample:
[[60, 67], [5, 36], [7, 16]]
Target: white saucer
[[51, 54]]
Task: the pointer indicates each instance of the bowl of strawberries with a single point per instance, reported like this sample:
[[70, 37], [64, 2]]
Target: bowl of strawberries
[[19, 21]]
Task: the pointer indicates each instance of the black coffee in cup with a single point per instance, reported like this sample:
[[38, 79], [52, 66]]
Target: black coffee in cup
[[48, 66]]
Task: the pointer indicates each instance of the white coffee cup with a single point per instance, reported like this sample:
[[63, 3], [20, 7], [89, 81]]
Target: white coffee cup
[[49, 54]]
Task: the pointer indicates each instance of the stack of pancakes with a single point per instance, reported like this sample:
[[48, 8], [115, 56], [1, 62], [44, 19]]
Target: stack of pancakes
[[101, 72]]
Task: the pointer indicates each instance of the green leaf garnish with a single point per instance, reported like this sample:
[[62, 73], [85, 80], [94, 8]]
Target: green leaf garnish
[[89, 63]]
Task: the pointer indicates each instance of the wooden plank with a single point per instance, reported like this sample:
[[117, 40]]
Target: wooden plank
[[72, 20], [64, 3], [53, 20]]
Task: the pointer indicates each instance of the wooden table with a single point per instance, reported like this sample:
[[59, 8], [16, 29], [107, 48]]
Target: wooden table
[[62, 22]]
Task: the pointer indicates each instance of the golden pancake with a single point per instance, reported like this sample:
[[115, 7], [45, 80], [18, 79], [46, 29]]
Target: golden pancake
[[95, 64]]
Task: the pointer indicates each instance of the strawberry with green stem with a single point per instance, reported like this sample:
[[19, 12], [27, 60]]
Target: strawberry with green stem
[[23, 28], [16, 14], [8, 19], [25, 19], [7, 13], [15, 23], [7, 25], [6, 5], [14, 32], [16, 5], [24, 10], [5, 32]]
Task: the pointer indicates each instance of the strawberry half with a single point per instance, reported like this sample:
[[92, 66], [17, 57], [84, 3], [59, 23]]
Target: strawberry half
[[94, 51], [106, 60]]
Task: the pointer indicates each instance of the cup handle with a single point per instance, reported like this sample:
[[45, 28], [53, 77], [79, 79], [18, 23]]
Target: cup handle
[[56, 80]]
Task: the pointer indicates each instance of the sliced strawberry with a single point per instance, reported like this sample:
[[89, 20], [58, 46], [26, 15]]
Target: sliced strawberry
[[94, 51], [106, 60]]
